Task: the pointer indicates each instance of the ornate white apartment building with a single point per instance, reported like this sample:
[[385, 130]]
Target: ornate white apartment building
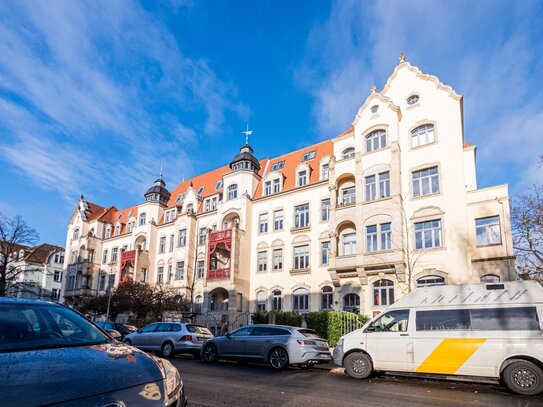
[[350, 223]]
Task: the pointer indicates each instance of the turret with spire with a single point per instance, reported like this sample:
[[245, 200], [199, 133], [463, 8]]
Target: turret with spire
[[158, 192], [245, 160]]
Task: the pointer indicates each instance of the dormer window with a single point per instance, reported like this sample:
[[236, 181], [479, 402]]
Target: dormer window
[[309, 155], [232, 192], [375, 140], [180, 197], [302, 178], [218, 185], [267, 188], [167, 216], [117, 230], [108, 232], [348, 153], [130, 227], [201, 190], [278, 165], [190, 209], [276, 185], [143, 219], [411, 100], [325, 171], [374, 109]]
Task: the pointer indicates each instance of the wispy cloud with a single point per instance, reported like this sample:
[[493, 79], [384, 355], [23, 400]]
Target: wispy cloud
[[93, 96], [495, 65]]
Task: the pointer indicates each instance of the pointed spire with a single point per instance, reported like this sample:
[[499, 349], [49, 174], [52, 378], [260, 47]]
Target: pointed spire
[[247, 134], [373, 88], [401, 59]]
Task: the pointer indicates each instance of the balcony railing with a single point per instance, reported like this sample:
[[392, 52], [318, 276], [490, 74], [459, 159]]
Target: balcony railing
[[220, 235], [219, 274]]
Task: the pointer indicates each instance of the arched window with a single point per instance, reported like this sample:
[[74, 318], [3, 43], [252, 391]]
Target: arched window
[[232, 192], [79, 279], [261, 301], [300, 301], [143, 218], [198, 304], [327, 294], [348, 153], [490, 278], [429, 281], [351, 303], [190, 208], [411, 100], [375, 140], [422, 135], [76, 233], [277, 300], [383, 292]]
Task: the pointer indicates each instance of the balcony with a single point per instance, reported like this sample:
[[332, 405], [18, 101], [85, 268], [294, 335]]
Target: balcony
[[77, 292], [218, 274], [219, 236]]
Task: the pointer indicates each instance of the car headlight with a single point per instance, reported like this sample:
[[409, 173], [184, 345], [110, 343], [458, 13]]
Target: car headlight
[[172, 380]]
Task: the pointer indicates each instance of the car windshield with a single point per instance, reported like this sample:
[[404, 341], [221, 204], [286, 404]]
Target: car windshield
[[44, 326], [309, 333], [198, 329]]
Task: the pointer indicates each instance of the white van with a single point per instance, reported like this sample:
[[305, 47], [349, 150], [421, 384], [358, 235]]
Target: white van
[[485, 330]]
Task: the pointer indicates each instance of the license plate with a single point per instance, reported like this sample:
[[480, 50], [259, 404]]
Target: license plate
[[201, 338]]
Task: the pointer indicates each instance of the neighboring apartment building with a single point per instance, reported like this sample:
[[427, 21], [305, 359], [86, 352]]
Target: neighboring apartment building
[[41, 276], [350, 223]]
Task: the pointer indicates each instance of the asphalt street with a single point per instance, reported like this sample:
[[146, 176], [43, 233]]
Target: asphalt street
[[236, 384]]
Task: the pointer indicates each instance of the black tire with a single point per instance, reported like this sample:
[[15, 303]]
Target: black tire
[[167, 350], [358, 365], [278, 358], [128, 342], [523, 377], [210, 353]]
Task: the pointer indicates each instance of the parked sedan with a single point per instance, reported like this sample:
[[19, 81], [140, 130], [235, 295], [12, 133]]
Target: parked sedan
[[170, 338], [278, 345], [52, 355], [123, 329]]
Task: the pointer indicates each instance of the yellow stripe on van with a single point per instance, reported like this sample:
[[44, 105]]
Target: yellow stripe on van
[[450, 355]]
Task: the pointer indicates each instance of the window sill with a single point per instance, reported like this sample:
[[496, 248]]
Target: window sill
[[300, 271], [488, 245], [376, 151], [277, 270], [432, 195], [384, 198], [348, 205], [301, 229]]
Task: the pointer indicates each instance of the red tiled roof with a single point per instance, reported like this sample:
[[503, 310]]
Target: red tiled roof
[[40, 254], [292, 160], [94, 211], [350, 130]]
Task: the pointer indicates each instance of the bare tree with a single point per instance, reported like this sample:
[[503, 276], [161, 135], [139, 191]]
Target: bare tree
[[15, 235], [527, 223]]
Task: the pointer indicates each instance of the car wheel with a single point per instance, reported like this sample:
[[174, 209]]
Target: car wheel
[[210, 353], [278, 358], [523, 377], [358, 365], [128, 342], [167, 350]]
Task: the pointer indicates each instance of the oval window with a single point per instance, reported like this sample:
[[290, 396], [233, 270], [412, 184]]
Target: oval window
[[411, 100]]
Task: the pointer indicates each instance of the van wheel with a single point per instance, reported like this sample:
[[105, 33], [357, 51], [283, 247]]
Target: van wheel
[[523, 377], [167, 350], [358, 365]]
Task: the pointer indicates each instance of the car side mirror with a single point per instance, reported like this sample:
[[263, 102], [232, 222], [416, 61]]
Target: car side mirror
[[139, 330], [370, 328], [227, 335]]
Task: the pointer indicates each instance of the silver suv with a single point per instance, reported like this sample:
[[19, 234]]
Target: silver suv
[[278, 345], [170, 338]]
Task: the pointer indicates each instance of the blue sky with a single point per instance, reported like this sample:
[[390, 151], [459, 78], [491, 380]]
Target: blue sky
[[95, 95]]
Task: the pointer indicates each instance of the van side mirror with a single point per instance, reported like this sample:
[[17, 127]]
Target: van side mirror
[[370, 328]]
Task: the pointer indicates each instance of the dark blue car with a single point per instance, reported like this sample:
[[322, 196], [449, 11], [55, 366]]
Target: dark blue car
[[52, 355]]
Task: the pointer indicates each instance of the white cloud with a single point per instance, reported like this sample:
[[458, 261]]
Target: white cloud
[[91, 96], [484, 49]]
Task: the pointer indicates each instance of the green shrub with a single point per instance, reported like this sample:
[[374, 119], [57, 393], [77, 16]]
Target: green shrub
[[319, 321], [260, 317], [288, 318]]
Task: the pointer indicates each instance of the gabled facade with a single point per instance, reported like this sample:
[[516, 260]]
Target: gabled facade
[[351, 223]]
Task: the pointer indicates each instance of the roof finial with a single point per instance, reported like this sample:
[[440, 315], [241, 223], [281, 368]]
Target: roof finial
[[373, 88], [247, 134], [81, 198], [402, 58], [161, 169]]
